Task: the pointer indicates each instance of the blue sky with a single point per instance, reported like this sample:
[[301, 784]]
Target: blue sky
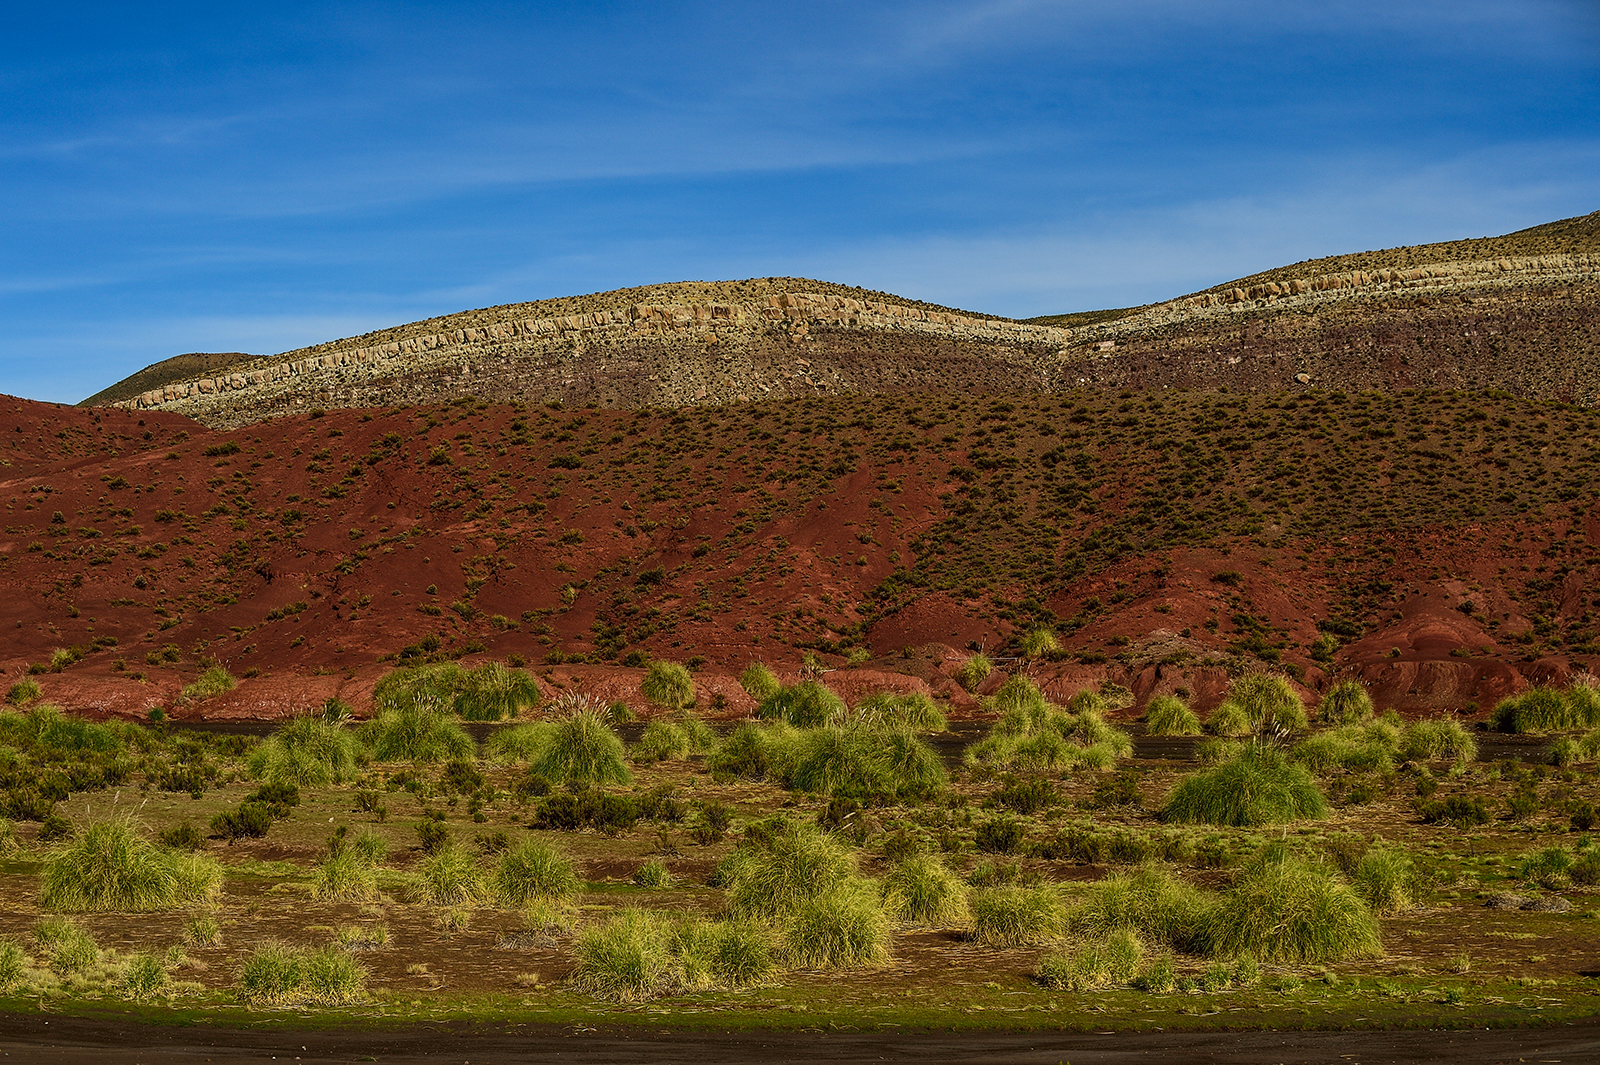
[[225, 177]]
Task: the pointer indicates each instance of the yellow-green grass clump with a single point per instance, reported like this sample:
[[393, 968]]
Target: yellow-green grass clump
[[109, 867], [1259, 786]]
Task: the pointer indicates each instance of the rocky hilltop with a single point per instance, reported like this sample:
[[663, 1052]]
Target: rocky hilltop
[[1520, 313]]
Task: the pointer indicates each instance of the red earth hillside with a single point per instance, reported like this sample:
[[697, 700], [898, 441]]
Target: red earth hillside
[[1440, 546]]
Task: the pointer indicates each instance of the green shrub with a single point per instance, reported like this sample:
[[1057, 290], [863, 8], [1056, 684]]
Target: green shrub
[[1288, 912], [22, 692], [668, 685], [921, 890], [1385, 880], [759, 682], [276, 974], [661, 741], [1112, 962], [841, 928], [1259, 787], [1017, 916], [1441, 738], [653, 875], [309, 751], [1365, 748], [1040, 643], [860, 764], [913, 712], [582, 749], [346, 877], [213, 681], [1167, 715], [752, 752], [1538, 711], [532, 870], [1346, 703], [807, 705], [416, 730], [974, 671], [1550, 868], [108, 866], [1461, 811]]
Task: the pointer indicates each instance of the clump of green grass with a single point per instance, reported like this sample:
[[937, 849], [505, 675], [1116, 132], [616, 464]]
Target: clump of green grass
[[919, 889], [781, 865], [1040, 643], [415, 729], [309, 751], [639, 955], [13, 963], [1385, 879], [1167, 715], [1096, 966], [1289, 912], [668, 685], [661, 741], [107, 866], [1032, 733], [1571, 750], [1360, 748], [653, 875], [752, 752], [276, 974], [1538, 711], [582, 749], [1017, 916], [1550, 868], [1437, 740], [346, 877], [1258, 787], [1258, 703], [1149, 900], [212, 682], [22, 692], [842, 928], [759, 682], [202, 931], [518, 743], [66, 947], [450, 876], [974, 671], [531, 871], [912, 711], [144, 976], [858, 763], [805, 705], [45, 730], [1346, 703], [9, 844], [492, 692]]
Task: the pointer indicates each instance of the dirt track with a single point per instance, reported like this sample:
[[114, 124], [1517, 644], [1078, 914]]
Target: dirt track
[[69, 1041]]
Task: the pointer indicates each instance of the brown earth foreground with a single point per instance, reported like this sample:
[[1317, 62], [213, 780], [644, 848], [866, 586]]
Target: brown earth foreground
[[71, 1040]]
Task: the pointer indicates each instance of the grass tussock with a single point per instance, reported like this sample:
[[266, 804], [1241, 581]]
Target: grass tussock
[[451, 876], [1539, 711], [1440, 739], [108, 866], [759, 682], [416, 729], [921, 890], [1093, 966], [1258, 704], [1148, 900], [1258, 787], [806, 705], [1370, 747], [492, 692], [1033, 733], [347, 875], [752, 752], [860, 763], [638, 955], [309, 751], [1017, 916], [781, 865], [1289, 912], [668, 685], [1167, 715], [276, 974], [533, 871], [1346, 703], [974, 671], [518, 743], [582, 749], [661, 741], [844, 927], [1386, 880], [912, 711], [212, 682]]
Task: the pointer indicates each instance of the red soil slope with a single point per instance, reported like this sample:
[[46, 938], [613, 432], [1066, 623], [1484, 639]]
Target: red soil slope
[[310, 553]]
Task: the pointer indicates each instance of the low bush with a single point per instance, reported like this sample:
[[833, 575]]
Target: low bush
[[919, 889], [1346, 703], [276, 974], [1550, 868], [1459, 811], [1167, 715], [1017, 916], [108, 866], [1001, 834], [1259, 787], [1288, 912]]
